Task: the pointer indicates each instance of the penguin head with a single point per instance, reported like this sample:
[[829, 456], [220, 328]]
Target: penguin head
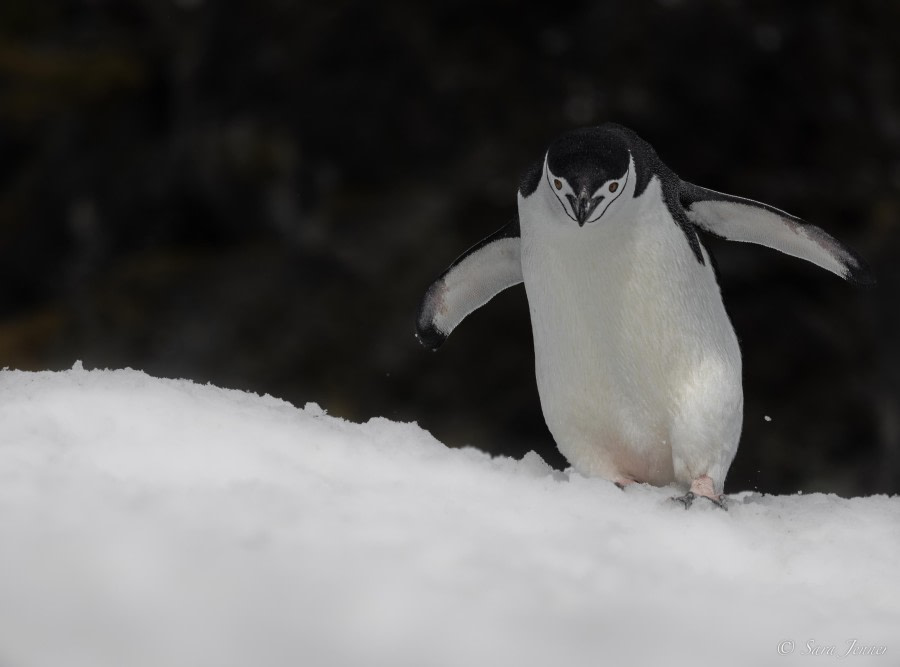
[[587, 170]]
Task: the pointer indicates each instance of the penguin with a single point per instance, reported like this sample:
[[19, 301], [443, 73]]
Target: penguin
[[637, 364]]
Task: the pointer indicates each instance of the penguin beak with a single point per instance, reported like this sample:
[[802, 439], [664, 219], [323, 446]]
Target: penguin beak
[[584, 206]]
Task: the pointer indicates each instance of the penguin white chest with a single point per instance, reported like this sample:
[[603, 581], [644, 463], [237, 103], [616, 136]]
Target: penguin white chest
[[637, 364]]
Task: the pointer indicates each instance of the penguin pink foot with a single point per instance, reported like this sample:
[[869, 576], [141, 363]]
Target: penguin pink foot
[[702, 487]]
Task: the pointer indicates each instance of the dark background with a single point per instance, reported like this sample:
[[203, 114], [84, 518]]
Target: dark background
[[256, 194]]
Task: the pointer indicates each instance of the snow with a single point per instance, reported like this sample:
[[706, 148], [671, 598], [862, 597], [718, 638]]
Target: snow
[[149, 522]]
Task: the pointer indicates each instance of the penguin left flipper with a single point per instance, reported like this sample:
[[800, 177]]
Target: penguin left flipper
[[477, 276], [738, 219]]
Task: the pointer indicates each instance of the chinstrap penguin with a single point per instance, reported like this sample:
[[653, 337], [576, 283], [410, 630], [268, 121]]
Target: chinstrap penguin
[[638, 366]]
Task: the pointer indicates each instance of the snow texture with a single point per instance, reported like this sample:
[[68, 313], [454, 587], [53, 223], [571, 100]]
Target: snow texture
[[150, 522]]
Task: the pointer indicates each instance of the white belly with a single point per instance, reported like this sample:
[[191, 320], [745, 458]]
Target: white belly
[[635, 356]]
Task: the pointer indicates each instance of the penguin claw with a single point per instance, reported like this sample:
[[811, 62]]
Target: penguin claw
[[719, 501], [688, 499]]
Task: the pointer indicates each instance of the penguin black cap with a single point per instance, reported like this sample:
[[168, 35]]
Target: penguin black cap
[[587, 158]]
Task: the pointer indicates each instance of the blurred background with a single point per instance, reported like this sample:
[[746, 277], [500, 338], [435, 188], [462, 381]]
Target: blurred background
[[257, 194]]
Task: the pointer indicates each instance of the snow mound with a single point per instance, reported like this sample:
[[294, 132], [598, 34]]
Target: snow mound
[[163, 523]]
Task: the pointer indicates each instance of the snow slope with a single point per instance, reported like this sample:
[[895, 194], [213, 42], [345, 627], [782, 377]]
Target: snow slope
[[164, 523]]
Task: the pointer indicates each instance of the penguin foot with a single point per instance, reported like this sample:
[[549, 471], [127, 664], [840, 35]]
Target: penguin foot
[[688, 499], [702, 487], [622, 482]]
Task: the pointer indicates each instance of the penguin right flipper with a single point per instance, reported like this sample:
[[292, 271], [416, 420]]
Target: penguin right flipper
[[738, 219], [479, 274]]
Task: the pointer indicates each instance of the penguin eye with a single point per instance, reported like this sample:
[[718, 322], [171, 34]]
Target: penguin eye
[[557, 183], [613, 187]]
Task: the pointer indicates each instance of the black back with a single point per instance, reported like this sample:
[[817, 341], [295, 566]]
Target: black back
[[532, 178]]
